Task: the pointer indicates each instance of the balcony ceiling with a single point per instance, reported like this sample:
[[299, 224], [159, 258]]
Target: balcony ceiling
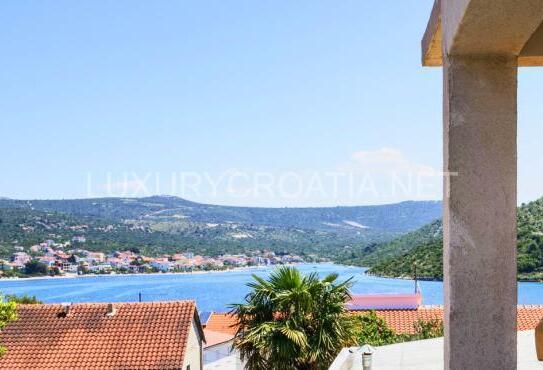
[[485, 27]]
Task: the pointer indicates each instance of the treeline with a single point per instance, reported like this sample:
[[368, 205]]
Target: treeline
[[424, 248], [26, 227]]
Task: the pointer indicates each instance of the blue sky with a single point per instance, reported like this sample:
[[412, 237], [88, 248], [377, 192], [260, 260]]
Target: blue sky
[[103, 98]]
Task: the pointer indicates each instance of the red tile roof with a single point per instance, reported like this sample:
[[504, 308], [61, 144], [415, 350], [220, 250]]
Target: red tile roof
[[222, 322], [528, 316], [401, 321], [138, 336]]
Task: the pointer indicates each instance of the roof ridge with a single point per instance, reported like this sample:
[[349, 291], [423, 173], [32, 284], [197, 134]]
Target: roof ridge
[[530, 306], [150, 303], [431, 306]]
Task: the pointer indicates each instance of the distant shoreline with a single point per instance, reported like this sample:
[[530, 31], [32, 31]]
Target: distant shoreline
[[198, 272], [422, 278], [419, 278]]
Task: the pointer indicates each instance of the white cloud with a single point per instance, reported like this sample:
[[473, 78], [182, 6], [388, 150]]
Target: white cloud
[[387, 175], [384, 160]]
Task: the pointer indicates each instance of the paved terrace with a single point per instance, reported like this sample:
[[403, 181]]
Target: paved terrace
[[418, 355], [428, 355]]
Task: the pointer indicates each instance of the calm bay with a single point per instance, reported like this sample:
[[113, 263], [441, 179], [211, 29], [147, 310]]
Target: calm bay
[[214, 291]]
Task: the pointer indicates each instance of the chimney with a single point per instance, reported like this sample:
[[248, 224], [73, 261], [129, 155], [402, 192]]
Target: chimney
[[111, 310], [65, 310]]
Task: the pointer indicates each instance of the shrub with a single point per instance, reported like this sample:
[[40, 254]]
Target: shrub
[[373, 330], [35, 267], [23, 299], [8, 313], [428, 329]]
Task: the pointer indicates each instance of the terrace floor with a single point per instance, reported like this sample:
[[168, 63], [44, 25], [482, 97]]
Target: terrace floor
[[428, 355]]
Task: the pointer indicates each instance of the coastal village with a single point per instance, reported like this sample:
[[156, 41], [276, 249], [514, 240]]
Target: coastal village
[[67, 258]]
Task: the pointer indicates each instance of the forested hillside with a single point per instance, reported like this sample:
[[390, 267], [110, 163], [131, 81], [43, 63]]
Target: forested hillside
[[375, 253], [158, 225], [25, 228], [369, 220], [425, 248]]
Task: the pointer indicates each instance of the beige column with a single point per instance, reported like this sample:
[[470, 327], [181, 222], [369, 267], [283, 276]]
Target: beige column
[[480, 120]]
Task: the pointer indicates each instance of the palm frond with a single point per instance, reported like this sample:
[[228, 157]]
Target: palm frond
[[293, 322]]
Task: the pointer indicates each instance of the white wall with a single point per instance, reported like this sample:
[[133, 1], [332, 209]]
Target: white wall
[[218, 351], [232, 362], [193, 352]]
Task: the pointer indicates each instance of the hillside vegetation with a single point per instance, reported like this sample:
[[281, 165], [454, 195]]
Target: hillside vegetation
[[26, 227], [158, 225], [425, 248], [375, 253], [392, 219]]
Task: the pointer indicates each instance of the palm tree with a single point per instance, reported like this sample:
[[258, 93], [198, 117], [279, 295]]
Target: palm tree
[[293, 322]]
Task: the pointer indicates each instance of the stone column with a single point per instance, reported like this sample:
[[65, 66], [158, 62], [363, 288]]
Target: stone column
[[480, 155]]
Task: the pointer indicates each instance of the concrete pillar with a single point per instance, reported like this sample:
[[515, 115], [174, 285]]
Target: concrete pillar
[[480, 119]]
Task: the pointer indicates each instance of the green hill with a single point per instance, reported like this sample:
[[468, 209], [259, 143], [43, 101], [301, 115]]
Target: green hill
[[375, 253], [23, 227], [157, 225], [425, 248], [368, 220]]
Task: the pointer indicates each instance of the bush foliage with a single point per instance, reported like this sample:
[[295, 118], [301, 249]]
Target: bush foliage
[[373, 330]]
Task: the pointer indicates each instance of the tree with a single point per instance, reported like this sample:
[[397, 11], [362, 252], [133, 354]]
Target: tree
[[35, 268], [135, 250], [23, 299], [8, 313], [293, 322]]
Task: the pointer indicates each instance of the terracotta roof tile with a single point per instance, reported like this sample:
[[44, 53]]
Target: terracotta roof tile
[[401, 320], [222, 322], [138, 336], [528, 317]]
